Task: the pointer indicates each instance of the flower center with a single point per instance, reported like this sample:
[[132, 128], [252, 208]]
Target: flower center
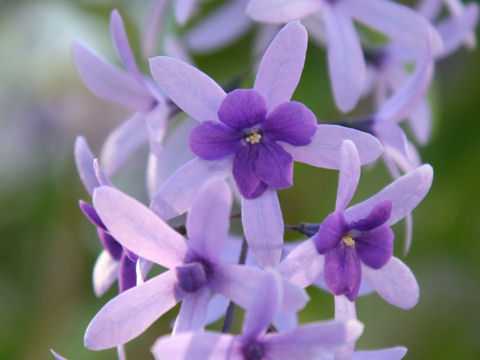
[[253, 351], [253, 137], [348, 241], [191, 277]]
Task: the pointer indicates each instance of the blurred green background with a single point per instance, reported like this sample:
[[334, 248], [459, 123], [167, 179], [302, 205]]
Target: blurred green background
[[48, 247]]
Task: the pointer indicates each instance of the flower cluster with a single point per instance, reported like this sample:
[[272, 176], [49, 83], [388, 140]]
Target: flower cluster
[[253, 137]]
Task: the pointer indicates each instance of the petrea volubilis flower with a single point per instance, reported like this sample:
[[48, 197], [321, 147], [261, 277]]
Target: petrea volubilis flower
[[254, 134], [128, 88], [356, 243], [194, 266], [306, 342], [345, 57], [115, 262]]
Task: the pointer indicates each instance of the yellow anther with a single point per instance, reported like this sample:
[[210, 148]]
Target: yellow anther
[[253, 138], [348, 240]]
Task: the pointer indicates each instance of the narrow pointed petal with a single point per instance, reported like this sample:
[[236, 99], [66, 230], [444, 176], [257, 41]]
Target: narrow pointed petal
[[127, 275], [100, 174], [205, 37], [286, 322], [193, 311], [282, 65], [294, 298], [56, 355], [324, 150], [110, 244], [195, 346], [212, 140], [405, 194], [312, 341], [330, 233], [281, 11], [430, 9], [408, 234], [457, 30], [401, 104], [346, 63], [393, 138], [420, 121], [303, 264], [248, 182], [209, 219], [156, 122], [395, 283], [122, 142], [91, 214], [129, 314], [184, 10], [109, 82], [122, 46], [395, 353], [291, 122], [274, 166], [217, 308], [375, 247], [138, 229], [263, 227], [237, 282], [105, 272], [84, 162], [175, 196], [267, 299], [399, 22], [349, 174], [345, 310], [153, 25], [342, 272], [192, 90], [242, 108]]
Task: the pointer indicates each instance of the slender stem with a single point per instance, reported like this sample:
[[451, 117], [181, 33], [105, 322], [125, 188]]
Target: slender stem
[[227, 324], [304, 228]]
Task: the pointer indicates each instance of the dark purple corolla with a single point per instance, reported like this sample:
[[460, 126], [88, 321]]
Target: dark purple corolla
[[355, 244], [115, 261], [250, 134]]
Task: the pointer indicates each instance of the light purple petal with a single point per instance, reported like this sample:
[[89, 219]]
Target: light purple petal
[[129, 314], [193, 311], [57, 356], [122, 142], [316, 29], [281, 11], [324, 150], [195, 346], [397, 21], [176, 48], [105, 272], [294, 298], [312, 341], [430, 9], [264, 36], [395, 353], [282, 65], [348, 176], [175, 196], [192, 90], [412, 92], [346, 63], [267, 300], [109, 82], [291, 122], [206, 37], [263, 227], [156, 122], [408, 234], [420, 121], [209, 219], [286, 322], [212, 140], [138, 229], [175, 152], [100, 174], [457, 30], [392, 137], [394, 282], [405, 193], [303, 264], [84, 161], [274, 166], [151, 31], [237, 282], [184, 10], [122, 46], [344, 311], [217, 308]]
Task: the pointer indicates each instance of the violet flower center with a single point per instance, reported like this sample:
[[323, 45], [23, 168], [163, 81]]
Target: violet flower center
[[253, 350], [191, 277]]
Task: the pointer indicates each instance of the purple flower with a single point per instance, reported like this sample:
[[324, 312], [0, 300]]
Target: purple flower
[[254, 134], [345, 58], [128, 88], [306, 342], [194, 267], [355, 244], [115, 262]]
